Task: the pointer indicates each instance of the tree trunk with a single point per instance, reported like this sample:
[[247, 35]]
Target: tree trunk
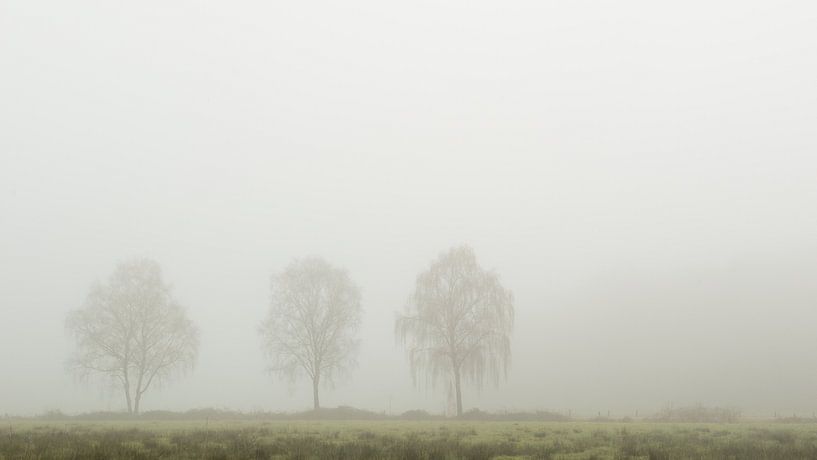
[[459, 391], [315, 382], [139, 389], [127, 397]]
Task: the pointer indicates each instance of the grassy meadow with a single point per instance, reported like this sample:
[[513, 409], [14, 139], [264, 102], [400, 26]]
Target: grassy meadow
[[391, 439]]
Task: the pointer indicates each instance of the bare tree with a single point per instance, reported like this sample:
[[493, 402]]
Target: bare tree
[[132, 331], [457, 323], [314, 315]]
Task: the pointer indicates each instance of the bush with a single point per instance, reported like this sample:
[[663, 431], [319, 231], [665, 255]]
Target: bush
[[699, 414]]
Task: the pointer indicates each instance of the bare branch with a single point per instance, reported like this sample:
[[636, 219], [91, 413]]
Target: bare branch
[[131, 329], [457, 323], [314, 314]]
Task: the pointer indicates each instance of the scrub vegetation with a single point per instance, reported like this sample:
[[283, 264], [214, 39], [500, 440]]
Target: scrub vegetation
[[245, 439]]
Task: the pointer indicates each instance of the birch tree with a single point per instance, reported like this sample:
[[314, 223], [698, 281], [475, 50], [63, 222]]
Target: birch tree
[[312, 322], [133, 332], [457, 323]]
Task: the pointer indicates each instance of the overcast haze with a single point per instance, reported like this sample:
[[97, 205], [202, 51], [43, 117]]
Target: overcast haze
[[642, 175]]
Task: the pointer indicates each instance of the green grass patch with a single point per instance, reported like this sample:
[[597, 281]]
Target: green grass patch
[[404, 440]]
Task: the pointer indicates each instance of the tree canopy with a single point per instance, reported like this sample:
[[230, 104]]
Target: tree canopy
[[132, 331], [313, 318], [457, 323]]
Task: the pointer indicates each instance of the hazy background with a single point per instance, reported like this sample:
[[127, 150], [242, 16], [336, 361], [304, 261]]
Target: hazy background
[[643, 176]]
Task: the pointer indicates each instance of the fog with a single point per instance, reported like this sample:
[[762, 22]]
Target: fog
[[640, 175]]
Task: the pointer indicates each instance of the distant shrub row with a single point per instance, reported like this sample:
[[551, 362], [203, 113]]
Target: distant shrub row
[[698, 413], [339, 413]]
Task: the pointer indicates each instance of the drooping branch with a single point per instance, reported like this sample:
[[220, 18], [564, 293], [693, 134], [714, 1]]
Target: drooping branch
[[457, 322]]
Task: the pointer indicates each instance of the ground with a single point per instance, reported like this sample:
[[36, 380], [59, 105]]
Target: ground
[[404, 440]]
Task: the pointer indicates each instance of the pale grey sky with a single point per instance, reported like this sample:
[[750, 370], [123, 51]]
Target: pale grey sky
[[641, 174]]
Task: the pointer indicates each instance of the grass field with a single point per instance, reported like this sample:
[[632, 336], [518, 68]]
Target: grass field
[[405, 440]]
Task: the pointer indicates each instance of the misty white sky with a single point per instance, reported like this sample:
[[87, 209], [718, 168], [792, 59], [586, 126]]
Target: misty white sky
[[643, 176]]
